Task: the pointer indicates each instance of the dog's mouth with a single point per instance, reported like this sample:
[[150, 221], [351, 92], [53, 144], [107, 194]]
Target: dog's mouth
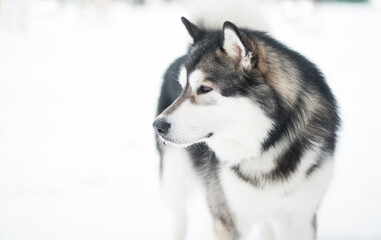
[[166, 140]]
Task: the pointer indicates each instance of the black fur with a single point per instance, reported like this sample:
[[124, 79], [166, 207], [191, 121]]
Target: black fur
[[302, 128], [321, 127], [171, 89]]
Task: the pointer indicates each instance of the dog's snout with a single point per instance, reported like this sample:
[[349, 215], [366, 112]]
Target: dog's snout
[[161, 126]]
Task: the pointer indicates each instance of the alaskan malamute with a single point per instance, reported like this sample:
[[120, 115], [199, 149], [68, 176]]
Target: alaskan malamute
[[257, 123]]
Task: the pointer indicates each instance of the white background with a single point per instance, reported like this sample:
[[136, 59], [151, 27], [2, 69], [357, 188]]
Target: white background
[[78, 92]]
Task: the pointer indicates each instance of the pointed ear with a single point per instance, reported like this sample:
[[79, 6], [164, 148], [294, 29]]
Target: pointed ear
[[195, 32], [232, 43], [239, 47]]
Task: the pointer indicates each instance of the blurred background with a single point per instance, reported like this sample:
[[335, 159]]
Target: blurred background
[[79, 81]]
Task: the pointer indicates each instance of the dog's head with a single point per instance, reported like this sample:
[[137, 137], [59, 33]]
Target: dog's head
[[225, 99]]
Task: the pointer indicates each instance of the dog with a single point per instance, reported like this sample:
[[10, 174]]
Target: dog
[[257, 123]]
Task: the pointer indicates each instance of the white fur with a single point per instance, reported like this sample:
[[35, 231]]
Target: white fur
[[195, 79], [239, 127], [189, 124], [288, 206], [183, 77], [177, 181], [243, 126], [235, 48], [233, 45], [265, 162]]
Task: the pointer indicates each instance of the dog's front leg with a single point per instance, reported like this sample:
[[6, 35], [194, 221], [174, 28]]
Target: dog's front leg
[[224, 231], [177, 178], [297, 228]]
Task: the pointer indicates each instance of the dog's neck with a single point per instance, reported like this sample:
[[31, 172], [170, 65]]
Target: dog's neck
[[247, 157], [231, 152]]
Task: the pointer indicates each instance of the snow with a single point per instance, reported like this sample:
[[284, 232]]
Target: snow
[[78, 91]]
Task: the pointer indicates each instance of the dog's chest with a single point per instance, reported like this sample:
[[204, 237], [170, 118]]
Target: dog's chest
[[249, 203]]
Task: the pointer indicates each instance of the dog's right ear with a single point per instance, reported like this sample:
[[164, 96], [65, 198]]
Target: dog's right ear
[[195, 32]]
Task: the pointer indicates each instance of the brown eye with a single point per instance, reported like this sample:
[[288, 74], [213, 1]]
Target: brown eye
[[203, 89]]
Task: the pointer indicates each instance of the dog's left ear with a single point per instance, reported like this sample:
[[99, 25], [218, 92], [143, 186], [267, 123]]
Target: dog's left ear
[[195, 32], [238, 46]]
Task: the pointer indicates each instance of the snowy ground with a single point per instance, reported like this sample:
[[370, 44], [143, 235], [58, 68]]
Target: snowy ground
[[78, 89]]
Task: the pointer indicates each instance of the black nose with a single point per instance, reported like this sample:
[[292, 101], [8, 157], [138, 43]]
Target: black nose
[[161, 126]]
